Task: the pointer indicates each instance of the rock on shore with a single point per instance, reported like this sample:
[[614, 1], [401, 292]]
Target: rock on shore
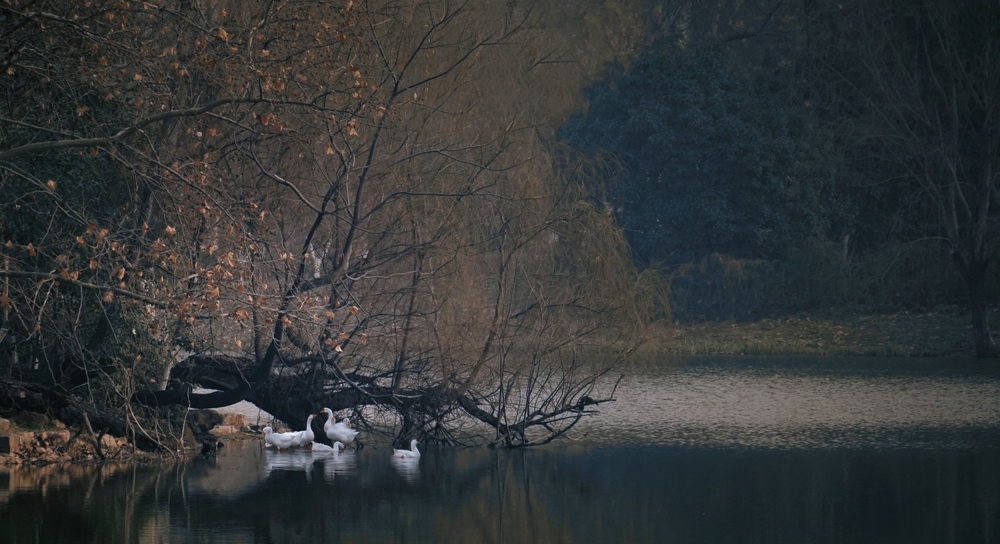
[[56, 443]]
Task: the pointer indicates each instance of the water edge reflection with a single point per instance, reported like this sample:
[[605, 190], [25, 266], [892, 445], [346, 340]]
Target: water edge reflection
[[675, 460]]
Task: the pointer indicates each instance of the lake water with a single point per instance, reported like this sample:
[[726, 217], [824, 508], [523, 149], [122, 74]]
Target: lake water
[[716, 450]]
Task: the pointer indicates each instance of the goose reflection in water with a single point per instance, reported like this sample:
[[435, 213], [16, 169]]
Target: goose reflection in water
[[292, 461], [334, 459], [407, 467]]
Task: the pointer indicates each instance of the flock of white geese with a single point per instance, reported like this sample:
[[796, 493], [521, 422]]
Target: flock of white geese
[[339, 432]]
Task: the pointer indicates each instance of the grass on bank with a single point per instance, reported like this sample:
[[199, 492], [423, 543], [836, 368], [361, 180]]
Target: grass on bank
[[946, 331]]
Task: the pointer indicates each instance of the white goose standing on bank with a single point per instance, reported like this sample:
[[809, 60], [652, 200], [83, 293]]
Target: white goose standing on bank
[[338, 431], [412, 453]]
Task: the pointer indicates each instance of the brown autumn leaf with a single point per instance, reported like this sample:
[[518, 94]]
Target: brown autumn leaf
[[108, 295]]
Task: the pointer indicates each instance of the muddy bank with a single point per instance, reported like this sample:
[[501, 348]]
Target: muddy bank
[[37, 440]]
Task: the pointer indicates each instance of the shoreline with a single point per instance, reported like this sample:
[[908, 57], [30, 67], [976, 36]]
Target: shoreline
[[943, 332]]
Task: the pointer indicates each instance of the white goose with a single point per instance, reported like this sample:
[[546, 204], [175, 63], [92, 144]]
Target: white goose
[[321, 448], [412, 453], [279, 440], [338, 432], [306, 437]]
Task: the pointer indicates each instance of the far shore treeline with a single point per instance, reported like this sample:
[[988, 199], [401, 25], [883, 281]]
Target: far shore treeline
[[454, 220]]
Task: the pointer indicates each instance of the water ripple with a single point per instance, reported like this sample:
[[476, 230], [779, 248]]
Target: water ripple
[[825, 404]]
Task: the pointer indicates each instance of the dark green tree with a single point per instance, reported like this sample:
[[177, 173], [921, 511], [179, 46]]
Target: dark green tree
[[712, 160]]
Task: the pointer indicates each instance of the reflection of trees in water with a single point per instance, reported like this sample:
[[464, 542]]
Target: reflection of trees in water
[[460, 496], [109, 503], [507, 498], [765, 495], [551, 495]]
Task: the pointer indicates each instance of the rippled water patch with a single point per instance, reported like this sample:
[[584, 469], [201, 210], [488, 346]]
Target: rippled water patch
[[811, 403]]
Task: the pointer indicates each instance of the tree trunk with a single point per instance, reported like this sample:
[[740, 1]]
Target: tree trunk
[[985, 346]]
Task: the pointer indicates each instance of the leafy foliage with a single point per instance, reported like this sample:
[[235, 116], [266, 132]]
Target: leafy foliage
[[712, 161]]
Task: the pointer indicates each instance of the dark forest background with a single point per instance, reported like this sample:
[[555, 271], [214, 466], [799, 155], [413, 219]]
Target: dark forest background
[[780, 157]]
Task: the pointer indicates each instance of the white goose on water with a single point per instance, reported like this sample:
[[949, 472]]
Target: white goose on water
[[412, 453], [281, 441], [319, 447], [306, 437], [338, 432]]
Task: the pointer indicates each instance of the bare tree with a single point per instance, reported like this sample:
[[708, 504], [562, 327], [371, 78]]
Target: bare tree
[[312, 207], [927, 94]]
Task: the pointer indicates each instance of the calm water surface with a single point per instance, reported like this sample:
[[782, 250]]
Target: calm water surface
[[716, 450]]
